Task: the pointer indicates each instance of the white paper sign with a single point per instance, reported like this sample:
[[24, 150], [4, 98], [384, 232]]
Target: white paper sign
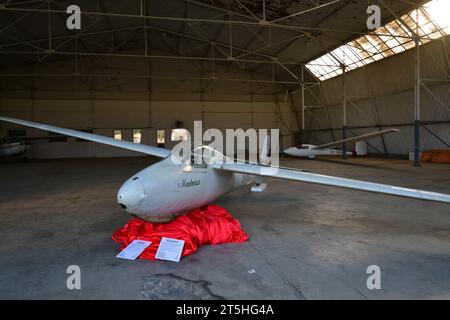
[[133, 250], [170, 249]]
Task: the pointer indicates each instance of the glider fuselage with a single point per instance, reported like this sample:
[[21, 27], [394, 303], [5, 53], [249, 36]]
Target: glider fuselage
[[308, 151], [163, 190], [12, 148]]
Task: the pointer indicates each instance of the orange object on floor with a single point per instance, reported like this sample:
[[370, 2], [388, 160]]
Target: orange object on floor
[[436, 156], [208, 225]]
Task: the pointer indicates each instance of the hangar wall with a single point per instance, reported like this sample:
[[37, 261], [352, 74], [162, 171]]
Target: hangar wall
[[103, 116], [381, 95], [132, 106], [106, 93]]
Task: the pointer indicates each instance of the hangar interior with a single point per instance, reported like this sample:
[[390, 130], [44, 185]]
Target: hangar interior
[[141, 70]]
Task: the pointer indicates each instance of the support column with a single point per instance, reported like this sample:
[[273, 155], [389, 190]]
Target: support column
[[344, 115], [302, 130], [417, 104]]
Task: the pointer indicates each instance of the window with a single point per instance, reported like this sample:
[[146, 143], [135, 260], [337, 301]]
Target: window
[[179, 134], [430, 21], [160, 137], [137, 135], [118, 134]]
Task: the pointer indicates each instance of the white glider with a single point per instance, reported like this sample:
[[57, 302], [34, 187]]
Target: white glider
[[165, 189], [311, 151], [8, 148]]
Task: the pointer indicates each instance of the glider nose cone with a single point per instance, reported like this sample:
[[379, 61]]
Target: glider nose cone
[[289, 151], [131, 194]]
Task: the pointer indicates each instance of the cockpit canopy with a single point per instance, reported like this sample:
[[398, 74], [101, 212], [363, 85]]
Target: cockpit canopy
[[202, 156]]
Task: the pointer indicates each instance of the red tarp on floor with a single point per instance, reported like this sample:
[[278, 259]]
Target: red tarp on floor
[[208, 225]]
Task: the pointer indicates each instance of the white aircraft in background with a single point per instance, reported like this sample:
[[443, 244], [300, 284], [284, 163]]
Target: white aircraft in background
[[8, 148], [164, 190], [311, 151]]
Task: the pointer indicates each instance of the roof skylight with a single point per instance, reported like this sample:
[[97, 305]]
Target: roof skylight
[[431, 21]]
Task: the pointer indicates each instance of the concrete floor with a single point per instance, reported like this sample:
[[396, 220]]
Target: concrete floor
[[306, 241]]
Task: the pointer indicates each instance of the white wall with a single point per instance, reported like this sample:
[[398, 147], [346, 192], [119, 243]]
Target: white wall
[[104, 115]]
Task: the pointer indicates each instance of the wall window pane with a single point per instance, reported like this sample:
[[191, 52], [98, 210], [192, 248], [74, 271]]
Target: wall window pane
[[179, 134], [118, 134], [137, 135], [160, 136]]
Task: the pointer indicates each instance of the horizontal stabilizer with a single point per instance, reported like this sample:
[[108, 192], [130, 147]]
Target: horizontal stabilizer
[[292, 174], [142, 148], [356, 139]]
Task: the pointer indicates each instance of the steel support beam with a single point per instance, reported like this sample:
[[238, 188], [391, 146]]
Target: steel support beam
[[344, 114], [131, 76], [161, 30], [305, 11], [417, 101], [302, 105], [247, 9], [436, 137], [300, 29], [129, 55], [390, 125]]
